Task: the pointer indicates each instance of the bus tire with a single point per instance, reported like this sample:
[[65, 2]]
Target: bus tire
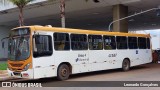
[[63, 72], [126, 65]]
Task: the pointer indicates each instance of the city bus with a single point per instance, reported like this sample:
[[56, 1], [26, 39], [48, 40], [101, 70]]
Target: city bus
[[36, 52]]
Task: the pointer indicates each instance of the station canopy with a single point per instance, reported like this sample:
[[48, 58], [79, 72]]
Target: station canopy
[[84, 15]]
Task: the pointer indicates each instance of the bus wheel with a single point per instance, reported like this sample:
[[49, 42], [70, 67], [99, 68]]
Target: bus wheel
[[63, 72], [126, 65]]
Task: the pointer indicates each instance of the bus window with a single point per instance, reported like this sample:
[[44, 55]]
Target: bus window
[[61, 41], [95, 42], [79, 42], [142, 43], [132, 43], [148, 43], [109, 42], [121, 42], [43, 45]]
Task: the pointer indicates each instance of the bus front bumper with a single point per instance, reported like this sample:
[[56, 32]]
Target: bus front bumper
[[24, 74]]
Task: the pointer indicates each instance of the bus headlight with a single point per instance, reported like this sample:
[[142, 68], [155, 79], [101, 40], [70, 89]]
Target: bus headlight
[[26, 67]]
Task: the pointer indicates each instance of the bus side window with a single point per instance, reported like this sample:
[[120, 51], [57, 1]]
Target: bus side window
[[79, 42], [61, 41], [121, 42], [109, 42], [132, 43], [148, 43], [95, 42], [142, 43]]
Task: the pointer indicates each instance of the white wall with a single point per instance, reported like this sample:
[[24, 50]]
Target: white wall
[[4, 32], [155, 37]]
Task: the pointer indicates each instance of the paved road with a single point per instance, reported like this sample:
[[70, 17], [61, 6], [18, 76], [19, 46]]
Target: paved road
[[149, 72]]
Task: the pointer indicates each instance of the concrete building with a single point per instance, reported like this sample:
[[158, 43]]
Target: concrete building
[[80, 14]]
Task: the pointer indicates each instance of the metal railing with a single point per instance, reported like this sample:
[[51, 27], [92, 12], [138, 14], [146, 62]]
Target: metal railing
[[109, 27]]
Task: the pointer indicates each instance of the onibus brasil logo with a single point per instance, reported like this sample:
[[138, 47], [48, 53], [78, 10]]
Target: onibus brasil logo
[[13, 84]]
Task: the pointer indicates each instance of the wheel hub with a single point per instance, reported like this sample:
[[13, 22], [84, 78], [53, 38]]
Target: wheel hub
[[126, 65], [64, 72]]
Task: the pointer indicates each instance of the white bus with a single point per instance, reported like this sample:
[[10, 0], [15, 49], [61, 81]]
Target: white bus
[[40, 51]]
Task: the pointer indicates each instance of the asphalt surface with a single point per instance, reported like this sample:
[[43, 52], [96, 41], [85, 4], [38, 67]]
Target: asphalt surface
[[148, 72]]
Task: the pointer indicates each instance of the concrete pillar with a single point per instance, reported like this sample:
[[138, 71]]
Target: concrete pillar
[[120, 11]]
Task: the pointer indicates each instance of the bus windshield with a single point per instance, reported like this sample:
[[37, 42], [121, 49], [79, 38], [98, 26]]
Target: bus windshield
[[19, 44]]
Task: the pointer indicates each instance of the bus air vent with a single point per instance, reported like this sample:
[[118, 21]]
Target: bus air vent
[[16, 65]]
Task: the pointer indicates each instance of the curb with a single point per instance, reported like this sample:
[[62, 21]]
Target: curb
[[3, 75], [3, 72]]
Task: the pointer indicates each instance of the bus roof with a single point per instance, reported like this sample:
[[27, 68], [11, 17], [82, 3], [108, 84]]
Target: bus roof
[[80, 31]]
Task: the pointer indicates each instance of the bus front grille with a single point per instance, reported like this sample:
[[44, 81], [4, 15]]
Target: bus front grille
[[16, 65]]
